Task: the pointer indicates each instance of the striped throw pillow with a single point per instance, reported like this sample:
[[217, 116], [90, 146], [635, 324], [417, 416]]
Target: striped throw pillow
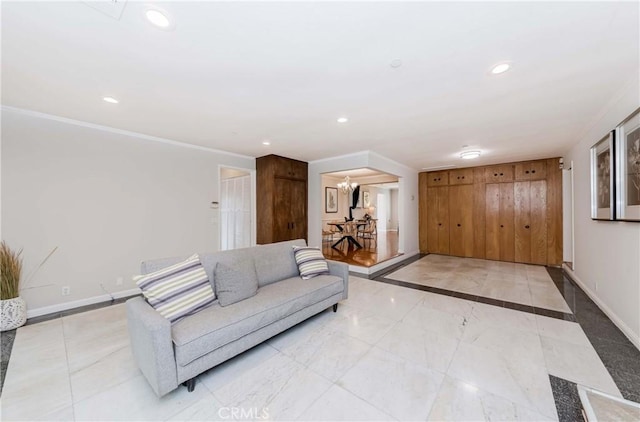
[[179, 290], [310, 261]]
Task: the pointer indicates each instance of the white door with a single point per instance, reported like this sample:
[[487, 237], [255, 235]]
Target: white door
[[235, 213]]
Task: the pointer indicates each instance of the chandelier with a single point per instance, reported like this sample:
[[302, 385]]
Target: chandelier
[[347, 186]]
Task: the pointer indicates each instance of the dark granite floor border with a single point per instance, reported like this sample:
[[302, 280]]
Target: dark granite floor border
[[618, 354], [565, 394]]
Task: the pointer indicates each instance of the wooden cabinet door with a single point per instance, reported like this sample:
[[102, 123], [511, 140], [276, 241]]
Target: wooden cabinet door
[[461, 177], [443, 220], [432, 220], [507, 243], [531, 222], [492, 221], [281, 210], [298, 215], [531, 170], [499, 173], [289, 217], [438, 220], [438, 178], [499, 222], [538, 228], [460, 220]]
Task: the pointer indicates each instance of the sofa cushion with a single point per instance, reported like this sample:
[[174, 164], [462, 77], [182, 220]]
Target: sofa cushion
[[178, 290], [216, 326], [275, 262], [311, 262], [235, 282]]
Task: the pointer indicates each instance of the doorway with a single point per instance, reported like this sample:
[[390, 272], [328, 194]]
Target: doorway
[[235, 208]]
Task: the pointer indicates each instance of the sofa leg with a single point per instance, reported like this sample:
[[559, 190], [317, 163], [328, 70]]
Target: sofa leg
[[335, 307], [190, 384]]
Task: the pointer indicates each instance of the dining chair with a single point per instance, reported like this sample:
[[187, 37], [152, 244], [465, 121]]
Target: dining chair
[[368, 231]]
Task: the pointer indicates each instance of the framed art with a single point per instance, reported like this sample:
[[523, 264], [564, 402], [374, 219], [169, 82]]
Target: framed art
[[366, 201], [603, 179], [330, 200], [628, 168]]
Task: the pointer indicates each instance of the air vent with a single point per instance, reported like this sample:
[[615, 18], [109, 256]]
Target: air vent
[[111, 8]]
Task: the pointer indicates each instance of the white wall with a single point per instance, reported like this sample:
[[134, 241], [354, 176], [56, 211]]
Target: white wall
[[393, 219], [106, 200], [607, 254], [407, 194]]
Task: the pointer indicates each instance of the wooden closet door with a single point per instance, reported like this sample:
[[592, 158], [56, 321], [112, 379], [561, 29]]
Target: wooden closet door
[[443, 220], [492, 221], [507, 243], [539, 222], [531, 222], [298, 210], [432, 220], [522, 196], [281, 210], [460, 220]]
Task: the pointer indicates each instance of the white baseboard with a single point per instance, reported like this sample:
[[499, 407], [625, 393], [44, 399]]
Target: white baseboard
[[60, 307], [633, 337]]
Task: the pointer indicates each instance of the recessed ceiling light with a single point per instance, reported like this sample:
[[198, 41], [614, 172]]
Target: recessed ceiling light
[[469, 155], [159, 18], [110, 100], [395, 63], [342, 120], [267, 143], [500, 68]]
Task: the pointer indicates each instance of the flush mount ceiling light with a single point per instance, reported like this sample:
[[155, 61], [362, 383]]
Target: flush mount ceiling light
[[500, 68], [342, 120], [395, 63], [266, 142], [159, 18], [469, 155], [110, 100]]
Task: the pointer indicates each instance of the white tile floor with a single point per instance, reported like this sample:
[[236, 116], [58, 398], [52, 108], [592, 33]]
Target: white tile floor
[[389, 353], [519, 283]]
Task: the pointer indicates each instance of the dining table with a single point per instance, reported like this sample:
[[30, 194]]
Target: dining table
[[348, 230]]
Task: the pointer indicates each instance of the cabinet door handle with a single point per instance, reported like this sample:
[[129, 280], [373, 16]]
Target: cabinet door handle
[[501, 174], [439, 224], [533, 171], [458, 225], [495, 174], [526, 227], [527, 171], [501, 225]]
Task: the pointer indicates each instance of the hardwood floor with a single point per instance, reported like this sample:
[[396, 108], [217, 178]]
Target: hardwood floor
[[373, 251]]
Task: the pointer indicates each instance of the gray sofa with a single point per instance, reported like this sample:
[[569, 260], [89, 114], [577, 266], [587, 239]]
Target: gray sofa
[[170, 355]]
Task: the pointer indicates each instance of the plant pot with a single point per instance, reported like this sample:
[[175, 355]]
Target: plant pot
[[13, 313]]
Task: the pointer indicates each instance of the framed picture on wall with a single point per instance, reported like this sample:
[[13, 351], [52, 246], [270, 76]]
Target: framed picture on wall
[[603, 179], [366, 200], [628, 168], [330, 200]]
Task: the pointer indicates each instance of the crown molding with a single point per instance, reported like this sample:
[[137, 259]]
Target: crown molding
[[117, 131]]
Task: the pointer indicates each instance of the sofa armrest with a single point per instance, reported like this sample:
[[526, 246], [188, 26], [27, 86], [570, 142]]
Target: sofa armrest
[[152, 346], [341, 270]]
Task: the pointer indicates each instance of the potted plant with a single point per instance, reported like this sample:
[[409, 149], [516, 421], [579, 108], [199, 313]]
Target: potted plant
[[13, 309]]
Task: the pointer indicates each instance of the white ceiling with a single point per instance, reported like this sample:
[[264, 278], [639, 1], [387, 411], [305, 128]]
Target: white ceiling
[[232, 74]]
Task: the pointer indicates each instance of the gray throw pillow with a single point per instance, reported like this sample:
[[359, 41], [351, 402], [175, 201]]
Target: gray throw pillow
[[235, 282]]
